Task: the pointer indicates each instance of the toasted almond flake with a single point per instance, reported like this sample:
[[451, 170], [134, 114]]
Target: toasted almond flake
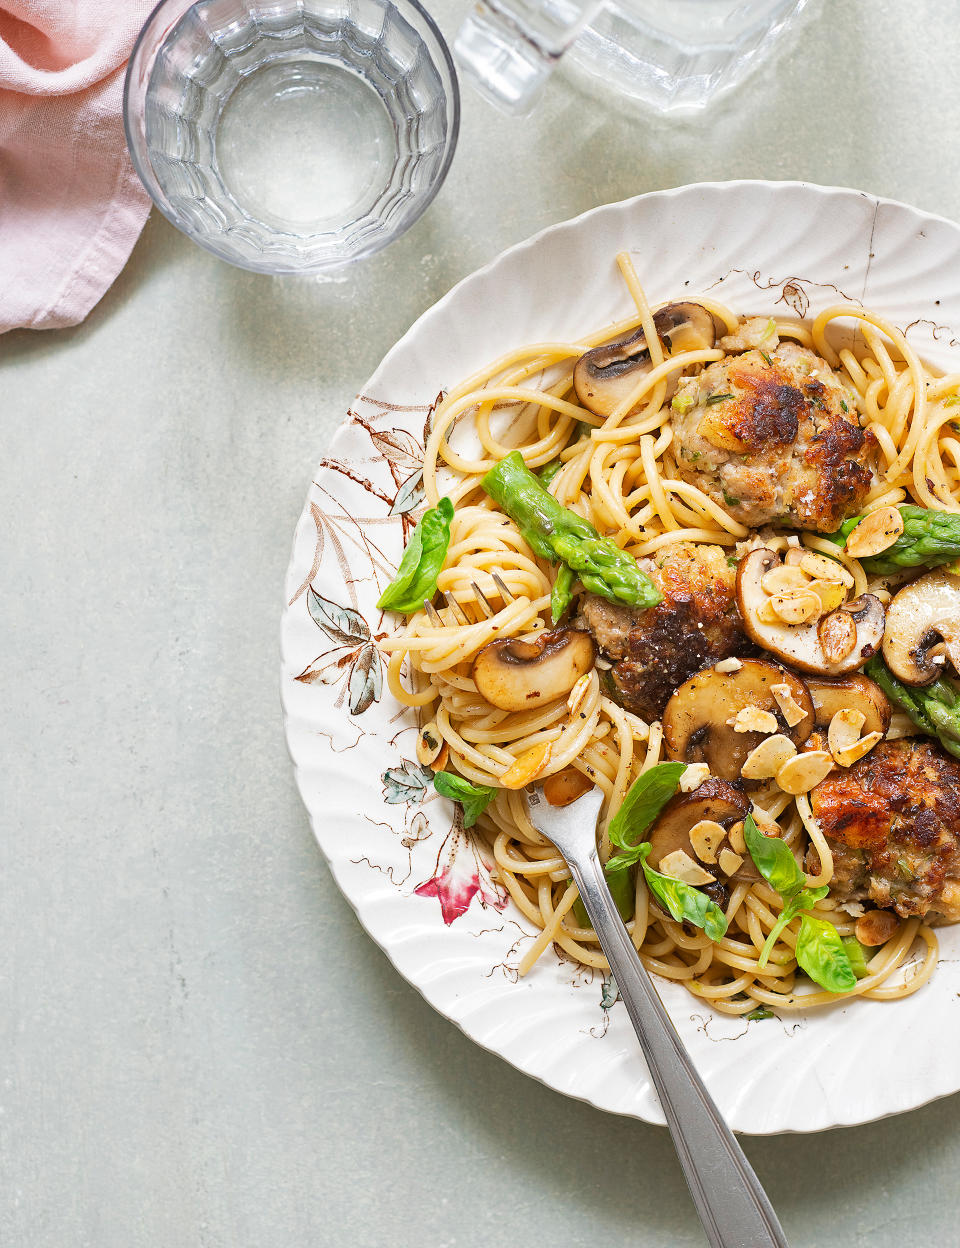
[[875, 533], [752, 719], [830, 593], [876, 927], [430, 745], [838, 635], [728, 665], [680, 866], [766, 613], [793, 540], [730, 862], [527, 766], [782, 579], [789, 709], [853, 908], [796, 606], [693, 777], [735, 837], [705, 837], [765, 762], [795, 552], [847, 757], [844, 729], [804, 772], [822, 568], [578, 693]]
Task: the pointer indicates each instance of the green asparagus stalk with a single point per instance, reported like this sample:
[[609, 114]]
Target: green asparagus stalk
[[935, 709], [554, 533], [929, 538]]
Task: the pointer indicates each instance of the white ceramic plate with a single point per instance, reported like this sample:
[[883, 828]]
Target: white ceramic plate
[[418, 883]]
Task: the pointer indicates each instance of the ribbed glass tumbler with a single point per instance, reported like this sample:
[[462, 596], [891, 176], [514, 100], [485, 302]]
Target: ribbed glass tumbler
[[291, 136]]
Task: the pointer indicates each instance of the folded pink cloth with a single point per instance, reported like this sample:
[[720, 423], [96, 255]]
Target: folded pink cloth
[[71, 206]]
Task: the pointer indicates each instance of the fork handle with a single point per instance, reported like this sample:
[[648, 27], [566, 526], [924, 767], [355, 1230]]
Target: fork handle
[[732, 1204]]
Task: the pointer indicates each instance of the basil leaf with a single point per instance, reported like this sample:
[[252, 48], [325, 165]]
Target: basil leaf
[[857, 955], [422, 561], [474, 798], [806, 899], [647, 796], [821, 953], [761, 1012], [684, 902], [562, 592], [774, 860], [621, 887]]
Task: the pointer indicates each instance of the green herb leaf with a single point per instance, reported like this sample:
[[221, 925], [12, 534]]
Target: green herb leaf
[[774, 860], [730, 500], [549, 471], [644, 801], [821, 953], [716, 398], [857, 955], [844, 406], [474, 798], [683, 902], [422, 561], [770, 362], [562, 592], [682, 403], [760, 1013]]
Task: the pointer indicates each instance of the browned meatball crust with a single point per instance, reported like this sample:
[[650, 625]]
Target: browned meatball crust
[[773, 437], [696, 624], [892, 821]]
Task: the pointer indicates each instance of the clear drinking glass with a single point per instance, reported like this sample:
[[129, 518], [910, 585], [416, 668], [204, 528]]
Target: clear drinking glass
[[675, 56], [291, 136]]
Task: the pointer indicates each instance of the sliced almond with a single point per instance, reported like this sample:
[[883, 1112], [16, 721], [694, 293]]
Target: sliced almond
[[783, 578], [789, 709], [430, 746], [875, 533], [844, 730], [766, 613], [565, 786], [804, 772], [527, 766], [838, 636], [693, 777], [765, 762], [830, 593], [730, 863], [705, 837], [795, 606], [578, 693], [750, 719], [680, 866], [876, 927], [728, 665], [823, 568], [735, 837], [853, 753]]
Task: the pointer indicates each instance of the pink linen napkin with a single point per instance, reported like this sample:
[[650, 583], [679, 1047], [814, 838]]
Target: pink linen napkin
[[71, 206]]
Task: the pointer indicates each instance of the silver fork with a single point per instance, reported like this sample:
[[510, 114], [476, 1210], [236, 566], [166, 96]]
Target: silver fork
[[732, 1205]]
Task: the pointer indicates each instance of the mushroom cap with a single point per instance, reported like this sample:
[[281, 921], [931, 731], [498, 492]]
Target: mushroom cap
[[850, 693], [516, 675], [695, 722], [802, 645], [714, 801], [920, 615], [605, 376]]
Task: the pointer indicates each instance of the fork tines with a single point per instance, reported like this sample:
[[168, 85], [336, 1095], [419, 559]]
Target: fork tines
[[506, 593]]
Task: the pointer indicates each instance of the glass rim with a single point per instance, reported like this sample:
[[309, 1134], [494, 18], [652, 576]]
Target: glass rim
[[145, 172]]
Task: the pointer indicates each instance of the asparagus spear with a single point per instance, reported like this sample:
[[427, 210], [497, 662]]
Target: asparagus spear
[[929, 538], [552, 532], [935, 709]]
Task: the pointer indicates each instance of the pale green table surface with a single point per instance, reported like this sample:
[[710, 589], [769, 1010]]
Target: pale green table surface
[[200, 1046]]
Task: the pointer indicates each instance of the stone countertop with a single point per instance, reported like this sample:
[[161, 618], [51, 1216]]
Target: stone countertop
[[201, 1047]]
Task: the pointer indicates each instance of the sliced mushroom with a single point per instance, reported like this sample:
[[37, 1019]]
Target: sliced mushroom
[[857, 693], [605, 376], [919, 616], [715, 802], [695, 722], [516, 675], [835, 644]]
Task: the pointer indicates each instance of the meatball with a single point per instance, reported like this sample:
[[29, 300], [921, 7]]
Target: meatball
[[654, 651], [773, 436], [892, 821]]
